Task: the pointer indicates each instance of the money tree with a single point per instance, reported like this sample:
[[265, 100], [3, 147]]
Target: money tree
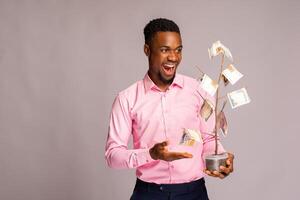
[[227, 74]]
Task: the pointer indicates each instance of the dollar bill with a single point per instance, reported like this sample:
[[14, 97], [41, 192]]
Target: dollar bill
[[190, 137], [238, 98], [206, 110], [232, 74], [209, 85]]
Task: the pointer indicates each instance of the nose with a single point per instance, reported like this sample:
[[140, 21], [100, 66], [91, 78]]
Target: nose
[[172, 56]]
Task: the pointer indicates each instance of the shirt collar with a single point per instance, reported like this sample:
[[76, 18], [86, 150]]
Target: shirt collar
[[150, 85]]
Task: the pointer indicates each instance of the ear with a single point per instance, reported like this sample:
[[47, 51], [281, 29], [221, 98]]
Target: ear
[[147, 50]]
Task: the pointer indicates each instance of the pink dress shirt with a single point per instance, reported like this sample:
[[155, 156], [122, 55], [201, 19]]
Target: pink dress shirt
[[150, 116]]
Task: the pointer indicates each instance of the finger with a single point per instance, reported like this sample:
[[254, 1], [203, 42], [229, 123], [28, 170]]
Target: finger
[[181, 155], [164, 143], [220, 175], [170, 156], [187, 155], [177, 156], [216, 173], [209, 173], [230, 155], [162, 146], [228, 161], [225, 170], [229, 166]]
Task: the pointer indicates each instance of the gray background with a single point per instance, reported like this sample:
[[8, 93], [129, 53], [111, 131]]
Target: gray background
[[63, 62]]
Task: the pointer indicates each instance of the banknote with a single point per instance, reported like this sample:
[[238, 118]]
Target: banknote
[[232, 74], [238, 98], [217, 48], [222, 123], [225, 80], [190, 137], [209, 85], [206, 110]]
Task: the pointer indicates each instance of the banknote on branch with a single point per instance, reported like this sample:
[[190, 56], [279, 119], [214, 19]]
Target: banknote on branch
[[190, 137], [232, 74], [209, 85], [206, 110], [222, 123], [218, 48], [238, 98]]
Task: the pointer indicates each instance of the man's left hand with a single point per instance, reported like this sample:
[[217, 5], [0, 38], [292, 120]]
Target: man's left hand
[[224, 171]]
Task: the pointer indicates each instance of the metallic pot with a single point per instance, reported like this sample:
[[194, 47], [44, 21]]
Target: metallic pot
[[213, 162]]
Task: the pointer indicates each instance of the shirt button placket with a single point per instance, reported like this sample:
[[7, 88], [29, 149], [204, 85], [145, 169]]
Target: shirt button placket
[[163, 108]]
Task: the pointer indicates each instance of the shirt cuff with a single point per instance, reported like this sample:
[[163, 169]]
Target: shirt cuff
[[144, 157]]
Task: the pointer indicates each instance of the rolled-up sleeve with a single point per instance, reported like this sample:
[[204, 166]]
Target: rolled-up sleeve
[[117, 154]]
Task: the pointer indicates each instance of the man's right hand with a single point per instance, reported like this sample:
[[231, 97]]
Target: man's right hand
[[160, 152]]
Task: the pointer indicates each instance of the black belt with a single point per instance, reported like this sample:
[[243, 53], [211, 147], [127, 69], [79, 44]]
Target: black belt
[[176, 187]]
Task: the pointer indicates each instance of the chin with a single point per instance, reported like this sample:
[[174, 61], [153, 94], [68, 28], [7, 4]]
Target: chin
[[167, 80]]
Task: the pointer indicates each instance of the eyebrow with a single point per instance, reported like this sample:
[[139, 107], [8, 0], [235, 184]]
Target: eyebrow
[[170, 48]]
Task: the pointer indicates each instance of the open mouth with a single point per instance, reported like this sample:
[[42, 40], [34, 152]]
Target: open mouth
[[169, 68]]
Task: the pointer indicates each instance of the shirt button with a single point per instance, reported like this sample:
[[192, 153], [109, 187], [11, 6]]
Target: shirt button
[[161, 188]]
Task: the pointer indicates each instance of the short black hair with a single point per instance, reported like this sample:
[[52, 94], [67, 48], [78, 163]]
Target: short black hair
[[159, 25]]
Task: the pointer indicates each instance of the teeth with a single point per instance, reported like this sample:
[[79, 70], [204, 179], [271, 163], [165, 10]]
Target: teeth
[[169, 65]]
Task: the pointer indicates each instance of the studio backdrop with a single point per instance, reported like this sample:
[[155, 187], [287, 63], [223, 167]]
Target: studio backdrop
[[62, 63]]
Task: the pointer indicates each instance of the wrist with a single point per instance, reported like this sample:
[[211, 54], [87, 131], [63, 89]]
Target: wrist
[[153, 154]]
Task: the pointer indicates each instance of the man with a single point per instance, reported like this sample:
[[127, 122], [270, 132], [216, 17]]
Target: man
[[155, 111]]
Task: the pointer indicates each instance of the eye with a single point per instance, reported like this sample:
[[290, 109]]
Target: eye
[[179, 50], [164, 50]]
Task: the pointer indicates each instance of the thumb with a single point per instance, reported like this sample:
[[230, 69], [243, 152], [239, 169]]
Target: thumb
[[165, 143]]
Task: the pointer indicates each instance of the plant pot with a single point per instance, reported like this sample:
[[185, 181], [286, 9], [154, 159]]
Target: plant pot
[[213, 162]]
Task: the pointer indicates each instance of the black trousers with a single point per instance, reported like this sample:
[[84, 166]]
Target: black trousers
[[194, 190]]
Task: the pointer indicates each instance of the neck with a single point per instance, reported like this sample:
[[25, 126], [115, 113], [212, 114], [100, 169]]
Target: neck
[[162, 85]]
